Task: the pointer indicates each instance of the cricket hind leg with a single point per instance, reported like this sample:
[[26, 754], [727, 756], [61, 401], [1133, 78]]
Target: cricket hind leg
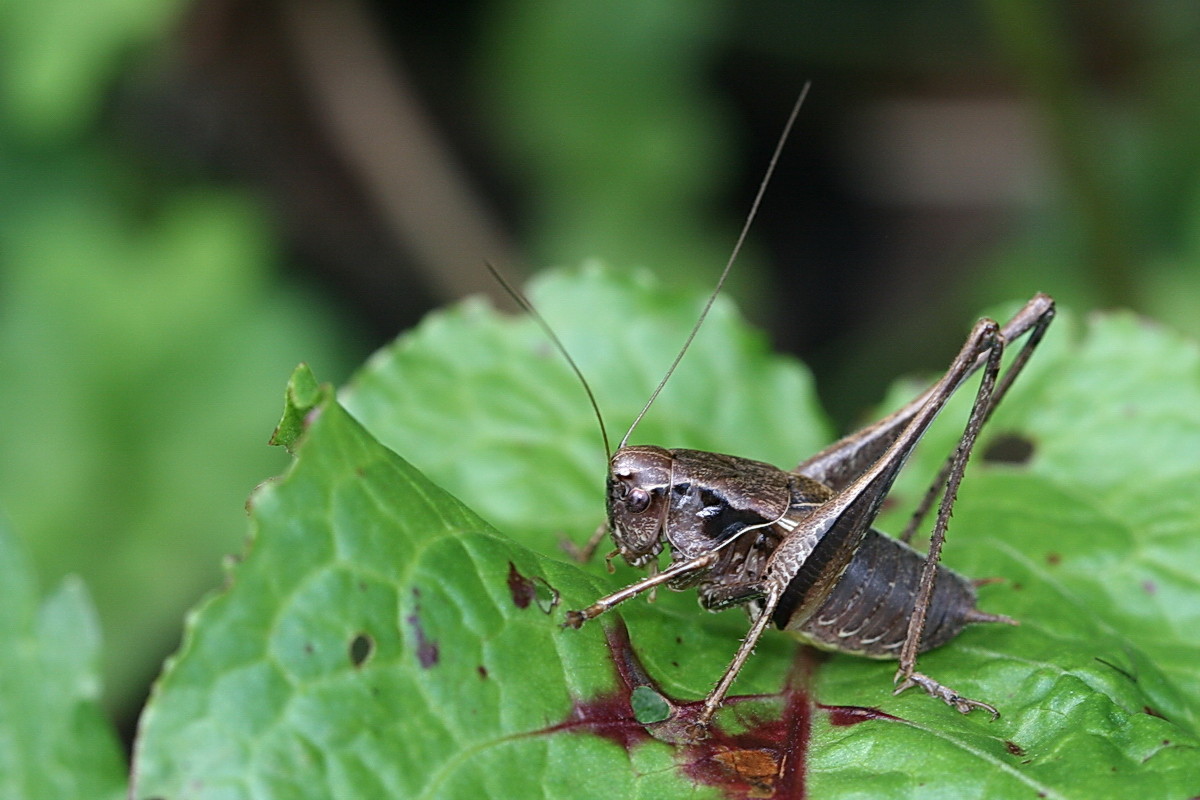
[[840, 464], [1037, 315], [906, 676]]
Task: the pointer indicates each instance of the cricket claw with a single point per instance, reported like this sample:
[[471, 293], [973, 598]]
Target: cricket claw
[[575, 619], [964, 705]]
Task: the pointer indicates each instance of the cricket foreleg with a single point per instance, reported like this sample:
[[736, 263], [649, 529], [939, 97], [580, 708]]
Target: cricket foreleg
[[574, 619], [717, 695]]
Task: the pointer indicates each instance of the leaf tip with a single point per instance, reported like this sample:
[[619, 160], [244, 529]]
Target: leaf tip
[[304, 395]]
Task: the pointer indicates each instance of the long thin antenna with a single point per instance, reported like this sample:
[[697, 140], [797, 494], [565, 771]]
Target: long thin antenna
[[528, 308], [737, 247]]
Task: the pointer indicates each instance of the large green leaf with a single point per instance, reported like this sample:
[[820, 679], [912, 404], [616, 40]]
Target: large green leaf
[[54, 740], [381, 640]]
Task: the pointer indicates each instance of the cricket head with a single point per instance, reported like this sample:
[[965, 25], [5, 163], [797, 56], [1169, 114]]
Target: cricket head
[[639, 478]]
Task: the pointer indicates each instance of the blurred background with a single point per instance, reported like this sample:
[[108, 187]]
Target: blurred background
[[195, 196]]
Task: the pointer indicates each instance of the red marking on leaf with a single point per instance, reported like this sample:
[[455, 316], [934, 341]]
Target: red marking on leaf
[[766, 759], [843, 716], [610, 714], [427, 649]]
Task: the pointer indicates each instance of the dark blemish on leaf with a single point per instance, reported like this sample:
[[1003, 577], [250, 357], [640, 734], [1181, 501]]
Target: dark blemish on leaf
[[1152, 712], [360, 472], [416, 592], [1149, 587], [521, 588], [1014, 748], [482, 670], [361, 648], [1017, 586], [427, 649], [1009, 448], [1053, 559], [678, 640], [675, 664], [1166, 742], [527, 590], [843, 716], [308, 648]]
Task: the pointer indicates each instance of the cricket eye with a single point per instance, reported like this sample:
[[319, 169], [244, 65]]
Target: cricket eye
[[637, 500]]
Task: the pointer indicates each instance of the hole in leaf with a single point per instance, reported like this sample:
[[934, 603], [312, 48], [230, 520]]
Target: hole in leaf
[[361, 648]]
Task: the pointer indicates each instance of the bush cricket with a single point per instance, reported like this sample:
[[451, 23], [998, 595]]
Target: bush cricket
[[796, 547]]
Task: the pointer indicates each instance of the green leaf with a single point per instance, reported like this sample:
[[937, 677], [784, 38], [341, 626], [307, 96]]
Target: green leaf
[[379, 639], [54, 739]]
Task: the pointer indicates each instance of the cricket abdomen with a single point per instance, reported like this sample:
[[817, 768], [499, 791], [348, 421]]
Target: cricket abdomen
[[867, 611]]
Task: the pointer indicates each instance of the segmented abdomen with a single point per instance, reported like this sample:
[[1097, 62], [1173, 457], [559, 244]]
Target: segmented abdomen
[[868, 610]]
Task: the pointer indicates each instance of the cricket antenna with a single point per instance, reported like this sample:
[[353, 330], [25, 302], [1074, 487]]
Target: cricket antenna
[[737, 248], [528, 308]]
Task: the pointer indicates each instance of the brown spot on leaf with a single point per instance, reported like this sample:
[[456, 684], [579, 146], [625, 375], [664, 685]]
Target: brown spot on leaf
[[482, 670], [1053, 559], [758, 768], [1152, 712], [1009, 448], [521, 588], [524, 590], [1014, 748]]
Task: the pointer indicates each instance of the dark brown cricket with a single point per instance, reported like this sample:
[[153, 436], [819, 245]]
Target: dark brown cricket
[[796, 548]]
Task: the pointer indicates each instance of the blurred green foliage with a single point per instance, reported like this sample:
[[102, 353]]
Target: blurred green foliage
[[143, 339]]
